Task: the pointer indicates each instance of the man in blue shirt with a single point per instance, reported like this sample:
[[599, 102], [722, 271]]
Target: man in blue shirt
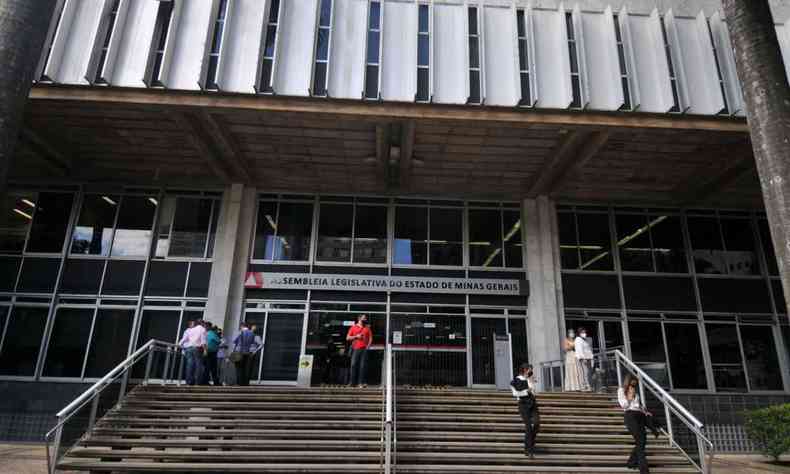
[[243, 344]]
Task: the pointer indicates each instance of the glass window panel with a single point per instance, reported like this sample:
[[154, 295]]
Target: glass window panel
[[741, 256], [266, 75], [123, 278], [526, 95], [93, 232], [725, 356], [274, 10], [768, 246], [373, 46], [264, 234], [707, 245], [211, 74], [294, 224], [371, 82], [326, 13], [166, 212], [199, 276], [423, 50], [786, 338], [213, 232], [668, 247], [423, 84], [613, 335], [49, 222], [446, 244], [633, 241], [423, 19], [485, 238], [513, 243], [82, 277], [38, 275], [474, 87], [411, 236], [110, 342], [22, 341], [522, 54], [322, 45], [647, 349], [16, 215], [370, 234], [9, 271], [474, 52], [319, 79], [573, 57], [190, 228], [472, 12], [133, 232], [569, 251], [68, 342], [334, 232], [762, 362], [685, 356], [521, 23], [577, 95], [375, 15], [160, 325], [594, 242], [271, 35], [167, 279]]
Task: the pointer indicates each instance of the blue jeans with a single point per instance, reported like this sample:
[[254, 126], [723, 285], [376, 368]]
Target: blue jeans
[[193, 360], [359, 369]]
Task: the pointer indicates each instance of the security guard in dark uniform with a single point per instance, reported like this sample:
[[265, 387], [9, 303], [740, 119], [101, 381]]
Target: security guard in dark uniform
[[523, 387]]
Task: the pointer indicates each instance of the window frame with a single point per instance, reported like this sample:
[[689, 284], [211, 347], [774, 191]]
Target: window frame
[[219, 15], [529, 70], [215, 208], [316, 61], [477, 37], [165, 31], [113, 14], [428, 67], [268, 87], [377, 65]]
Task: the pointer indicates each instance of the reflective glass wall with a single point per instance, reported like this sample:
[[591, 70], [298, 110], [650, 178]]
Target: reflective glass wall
[[693, 296], [89, 276], [388, 232]]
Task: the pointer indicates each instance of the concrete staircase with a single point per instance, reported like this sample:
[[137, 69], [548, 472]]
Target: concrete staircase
[[475, 432], [235, 429], [338, 430]]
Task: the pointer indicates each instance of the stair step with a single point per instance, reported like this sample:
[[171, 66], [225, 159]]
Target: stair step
[[487, 469], [70, 464], [518, 447], [224, 443], [344, 405], [253, 397], [516, 436], [241, 415], [544, 459], [230, 432], [279, 456], [515, 426]]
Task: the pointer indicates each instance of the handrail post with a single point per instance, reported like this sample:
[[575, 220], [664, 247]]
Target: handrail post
[[551, 378], [124, 382], [166, 370], [56, 448], [180, 374], [619, 371], [668, 414], [148, 365], [94, 410], [703, 463]]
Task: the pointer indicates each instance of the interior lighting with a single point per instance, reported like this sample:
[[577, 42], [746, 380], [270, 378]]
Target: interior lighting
[[24, 214], [153, 201], [29, 203], [109, 201]]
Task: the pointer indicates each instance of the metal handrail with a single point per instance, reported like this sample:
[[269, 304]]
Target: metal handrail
[[92, 393], [671, 405], [600, 356], [387, 427]]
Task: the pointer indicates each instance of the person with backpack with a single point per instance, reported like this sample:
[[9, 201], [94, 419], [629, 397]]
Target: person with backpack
[[242, 354], [212, 347]]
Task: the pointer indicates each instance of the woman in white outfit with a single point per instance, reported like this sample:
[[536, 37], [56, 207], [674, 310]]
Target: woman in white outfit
[[572, 380]]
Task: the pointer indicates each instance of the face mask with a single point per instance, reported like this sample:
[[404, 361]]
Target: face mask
[[584, 334], [571, 334]]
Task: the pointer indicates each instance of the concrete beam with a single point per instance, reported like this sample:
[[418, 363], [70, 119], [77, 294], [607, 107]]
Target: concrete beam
[[56, 157], [386, 111], [572, 153], [189, 124], [224, 142]]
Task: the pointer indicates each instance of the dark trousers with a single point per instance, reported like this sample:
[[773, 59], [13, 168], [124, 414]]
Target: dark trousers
[[211, 369], [359, 366], [635, 422], [243, 370], [193, 360], [529, 413]]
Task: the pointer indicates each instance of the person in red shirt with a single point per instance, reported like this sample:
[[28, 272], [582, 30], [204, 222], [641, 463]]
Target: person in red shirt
[[361, 338]]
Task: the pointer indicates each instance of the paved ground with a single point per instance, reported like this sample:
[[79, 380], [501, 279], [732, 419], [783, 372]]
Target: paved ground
[[31, 459]]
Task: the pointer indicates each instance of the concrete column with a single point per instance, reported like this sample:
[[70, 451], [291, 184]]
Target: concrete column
[[544, 306], [241, 260], [224, 255]]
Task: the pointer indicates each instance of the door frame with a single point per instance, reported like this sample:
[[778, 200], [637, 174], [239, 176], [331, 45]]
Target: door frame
[[265, 311], [470, 360]]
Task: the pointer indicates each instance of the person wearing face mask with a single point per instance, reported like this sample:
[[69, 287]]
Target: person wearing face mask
[[360, 337], [523, 388], [572, 382], [584, 358], [636, 418]]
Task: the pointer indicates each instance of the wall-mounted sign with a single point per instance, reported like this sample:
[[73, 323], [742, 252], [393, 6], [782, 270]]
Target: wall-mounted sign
[[397, 337], [302, 281]]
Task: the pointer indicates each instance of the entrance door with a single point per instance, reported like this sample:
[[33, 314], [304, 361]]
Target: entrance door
[[281, 333], [482, 341], [282, 346]]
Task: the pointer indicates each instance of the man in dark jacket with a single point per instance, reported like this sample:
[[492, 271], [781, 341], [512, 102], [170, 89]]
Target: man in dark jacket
[[243, 344], [523, 388]]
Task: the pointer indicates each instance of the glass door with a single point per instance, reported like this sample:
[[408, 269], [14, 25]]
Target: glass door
[[482, 341], [282, 346]]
